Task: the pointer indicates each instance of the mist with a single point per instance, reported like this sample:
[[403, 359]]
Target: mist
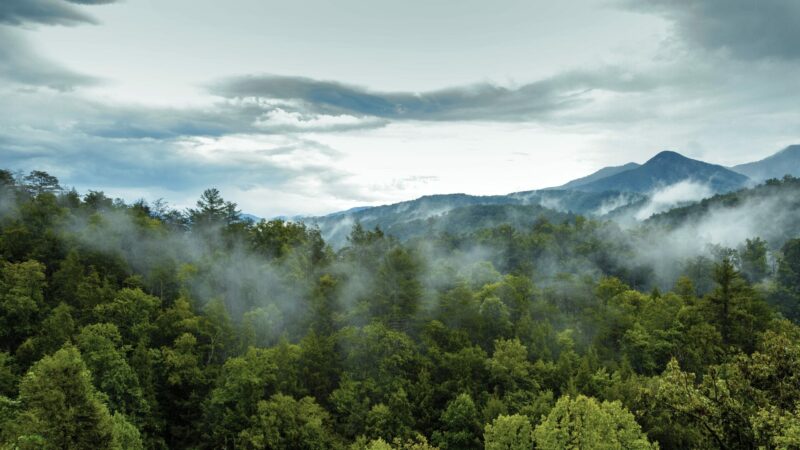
[[668, 197]]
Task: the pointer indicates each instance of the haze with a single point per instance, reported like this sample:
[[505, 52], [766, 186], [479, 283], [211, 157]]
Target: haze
[[313, 107]]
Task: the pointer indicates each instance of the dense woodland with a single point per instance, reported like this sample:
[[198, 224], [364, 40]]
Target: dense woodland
[[131, 326]]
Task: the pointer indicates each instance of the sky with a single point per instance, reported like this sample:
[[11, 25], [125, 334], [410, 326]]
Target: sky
[[313, 106]]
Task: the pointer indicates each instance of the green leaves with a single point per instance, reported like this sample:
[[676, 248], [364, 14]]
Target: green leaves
[[283, 422], [61, 409], [586, 424], [508, 433], [750, 402], [21, 300], [460, 425]]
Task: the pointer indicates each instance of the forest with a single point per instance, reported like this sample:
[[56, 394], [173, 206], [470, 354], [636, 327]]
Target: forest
[[139, 326]]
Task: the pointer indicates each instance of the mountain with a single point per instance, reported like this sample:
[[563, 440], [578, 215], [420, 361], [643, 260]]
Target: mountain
[[785, 162], [770, 211], [605, 172], [668, 168], [250, 217], [463, 213], [613, 192]]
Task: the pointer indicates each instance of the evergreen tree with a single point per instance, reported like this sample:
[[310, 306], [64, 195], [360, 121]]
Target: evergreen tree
[[59, 408]]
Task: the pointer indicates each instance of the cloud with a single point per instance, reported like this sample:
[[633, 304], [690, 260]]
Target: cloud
[[259, 134], [171, 153], [677, 194], [484, 101], [19, 63], [92, 2], [45, 12], [746, 29]]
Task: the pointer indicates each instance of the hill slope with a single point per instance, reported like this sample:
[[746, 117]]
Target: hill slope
[[605, 172], [770, 211], [462, 212], [667, 168], [785, 162]]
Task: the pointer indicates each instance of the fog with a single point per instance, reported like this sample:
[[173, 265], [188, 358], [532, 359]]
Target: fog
[[654, 251], [677, 194]]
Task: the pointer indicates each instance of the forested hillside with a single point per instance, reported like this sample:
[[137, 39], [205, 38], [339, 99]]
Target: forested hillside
[[461, 213], [133, 326], [778, 198]]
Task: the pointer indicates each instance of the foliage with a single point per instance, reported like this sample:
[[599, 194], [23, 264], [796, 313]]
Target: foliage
[[509, 433], [585, 423], [140, 326]]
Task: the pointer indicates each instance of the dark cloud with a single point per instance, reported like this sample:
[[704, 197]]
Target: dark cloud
[[222, 119], [748, 29], [19, 63], [135, 164], [94, 162], [46, 12], [123, 122], [484, 101], [93, 2], [182, 151]]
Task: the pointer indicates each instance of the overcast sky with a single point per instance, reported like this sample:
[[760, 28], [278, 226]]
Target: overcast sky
[[309, 107]]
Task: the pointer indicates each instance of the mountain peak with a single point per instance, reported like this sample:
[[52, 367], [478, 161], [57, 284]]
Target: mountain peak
[[664, 169], [667, 156], [602, 173]]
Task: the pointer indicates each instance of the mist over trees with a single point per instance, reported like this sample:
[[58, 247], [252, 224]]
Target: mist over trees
[[129, 326]]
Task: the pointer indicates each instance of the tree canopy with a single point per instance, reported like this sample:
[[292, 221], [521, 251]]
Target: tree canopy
[[138, 326]]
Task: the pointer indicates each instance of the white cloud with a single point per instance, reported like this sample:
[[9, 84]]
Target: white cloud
[[668, 197]]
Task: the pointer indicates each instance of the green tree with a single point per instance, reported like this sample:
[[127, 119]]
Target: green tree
[[746, 403], [8, 376], [6, 179], [124, 435], [213, 210], [495, 321], [39, 182], [243, 382], [460, 425], [583, 423], [21, 301], [398, 290], [324, 305], [283, 422], [391, 420], [61, 409], [510, 367], [101, 349], [186, 386], [350, 406], [754, 259], [218, 329], [508, 433], [417, 443], [787, 293], [133, 312], [735, 308], [276, 238], [54, 331]]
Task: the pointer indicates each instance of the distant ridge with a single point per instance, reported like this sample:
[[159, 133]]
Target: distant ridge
[[461, 212], [600, 174], [785, 162], [611, 192], [666, 168]]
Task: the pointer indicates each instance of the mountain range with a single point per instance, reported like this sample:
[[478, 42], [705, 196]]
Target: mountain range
[[600, 174], [785, 162], [612, 192], [664, 169]]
